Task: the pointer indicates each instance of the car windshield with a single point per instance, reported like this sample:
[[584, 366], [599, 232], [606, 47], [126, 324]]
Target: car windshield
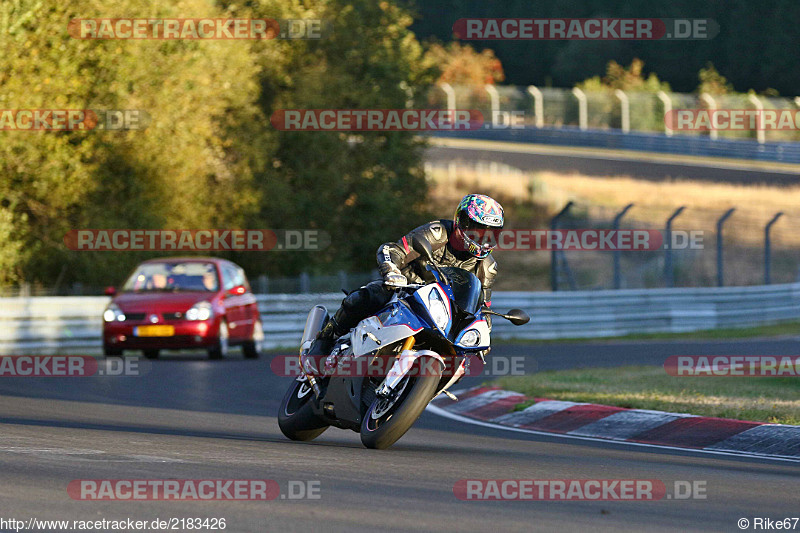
[[173, 277], [466, 288]]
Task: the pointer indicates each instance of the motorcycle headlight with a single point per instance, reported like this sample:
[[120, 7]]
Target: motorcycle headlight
[[112, 313], [438, 310], [471, 337], [199, 311]]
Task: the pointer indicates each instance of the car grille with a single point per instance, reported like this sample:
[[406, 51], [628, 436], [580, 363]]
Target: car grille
[[134, 316], [173, 316]]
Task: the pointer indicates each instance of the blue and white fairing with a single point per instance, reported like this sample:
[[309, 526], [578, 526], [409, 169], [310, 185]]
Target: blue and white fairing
[[435, 306]]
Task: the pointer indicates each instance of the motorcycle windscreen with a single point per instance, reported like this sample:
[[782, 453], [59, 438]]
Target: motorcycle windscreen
[[466, 289]]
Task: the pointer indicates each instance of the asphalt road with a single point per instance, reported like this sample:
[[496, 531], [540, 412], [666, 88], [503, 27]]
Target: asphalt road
[[189, 418], [540, 158]]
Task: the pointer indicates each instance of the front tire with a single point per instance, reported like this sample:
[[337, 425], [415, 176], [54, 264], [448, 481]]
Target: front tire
[[296, 417], [220, 350], [386, 421]]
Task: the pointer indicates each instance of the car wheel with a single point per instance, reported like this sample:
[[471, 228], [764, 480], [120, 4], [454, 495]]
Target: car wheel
[[252, 348], [220, 350], [108, 351], [151, 354]]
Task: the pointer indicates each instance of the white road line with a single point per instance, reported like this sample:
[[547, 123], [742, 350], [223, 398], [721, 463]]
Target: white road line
[[446, 414]]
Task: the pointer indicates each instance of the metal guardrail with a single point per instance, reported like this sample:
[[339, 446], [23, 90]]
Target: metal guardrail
[[786, 152], [60, 324]]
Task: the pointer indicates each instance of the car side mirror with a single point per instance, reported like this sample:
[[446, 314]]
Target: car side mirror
[[518, 317], [110, 291]]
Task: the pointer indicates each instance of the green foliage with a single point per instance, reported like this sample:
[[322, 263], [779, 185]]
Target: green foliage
[[209, 157]]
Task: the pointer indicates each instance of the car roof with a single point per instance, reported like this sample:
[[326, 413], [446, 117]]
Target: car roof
[[215, 260]]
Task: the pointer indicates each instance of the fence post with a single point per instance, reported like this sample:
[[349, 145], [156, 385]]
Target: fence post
[[625, 110], [667, 101], [451, 95], [615, 227], [720, 222], [554, 253], [494, 96], [760, 133], [712, 105], [583, 120], [263, 284], [668, 274], [768, 249], [538, 105]]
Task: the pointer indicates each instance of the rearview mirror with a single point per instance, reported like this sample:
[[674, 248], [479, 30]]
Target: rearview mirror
[[518, 317], [110, 291]]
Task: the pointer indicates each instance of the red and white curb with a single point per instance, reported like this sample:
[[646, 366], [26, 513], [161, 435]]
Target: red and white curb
[[492, 406]]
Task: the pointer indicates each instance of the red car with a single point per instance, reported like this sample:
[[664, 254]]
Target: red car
[[181, 303]]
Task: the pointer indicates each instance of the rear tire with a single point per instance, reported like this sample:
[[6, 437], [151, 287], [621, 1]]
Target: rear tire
[[111, 352], [384, 426], [296, 417], [252, 348], [220, 350]]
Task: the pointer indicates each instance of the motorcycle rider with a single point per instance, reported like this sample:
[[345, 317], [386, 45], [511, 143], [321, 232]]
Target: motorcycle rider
[[461, 242]]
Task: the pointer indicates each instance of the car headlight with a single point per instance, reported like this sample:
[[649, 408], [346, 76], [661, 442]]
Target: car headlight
[[471, 337], [199, 311], [112, 313], [438, 310]]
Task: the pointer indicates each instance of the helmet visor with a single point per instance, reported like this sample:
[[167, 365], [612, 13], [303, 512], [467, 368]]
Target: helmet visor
[[485, 236]]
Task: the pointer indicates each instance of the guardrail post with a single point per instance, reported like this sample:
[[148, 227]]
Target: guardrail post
[[667, 101], [343, 279], [538, 105], [668, 274], [451, 95], [615, 227], [760, 133], [625, 110], [720, 222], [494, 97], [305, 283], [768, 249], [712, 105], [262, 282], [554, 253], [583, 119]]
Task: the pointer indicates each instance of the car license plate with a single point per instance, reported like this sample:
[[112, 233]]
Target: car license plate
[[154, 331]]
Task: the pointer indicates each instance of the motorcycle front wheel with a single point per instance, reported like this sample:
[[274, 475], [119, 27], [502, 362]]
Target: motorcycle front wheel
[[388, 419]]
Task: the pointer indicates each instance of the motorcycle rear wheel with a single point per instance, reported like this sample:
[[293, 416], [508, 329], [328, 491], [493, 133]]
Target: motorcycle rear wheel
[[296, 417]]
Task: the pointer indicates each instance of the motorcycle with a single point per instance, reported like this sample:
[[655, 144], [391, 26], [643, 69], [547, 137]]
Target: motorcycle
[[425, 336]]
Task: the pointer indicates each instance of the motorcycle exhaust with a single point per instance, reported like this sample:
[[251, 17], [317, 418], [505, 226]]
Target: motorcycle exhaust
[[314, 322]]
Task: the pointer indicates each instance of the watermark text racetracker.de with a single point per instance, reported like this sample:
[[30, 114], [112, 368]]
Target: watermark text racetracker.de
[[733, 365], [198, 28], [578, 490], [252, 240], [73, 119], [192, 489], [589, 29], [72, 366], [346, 366], [640, 240], [732, 119]]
